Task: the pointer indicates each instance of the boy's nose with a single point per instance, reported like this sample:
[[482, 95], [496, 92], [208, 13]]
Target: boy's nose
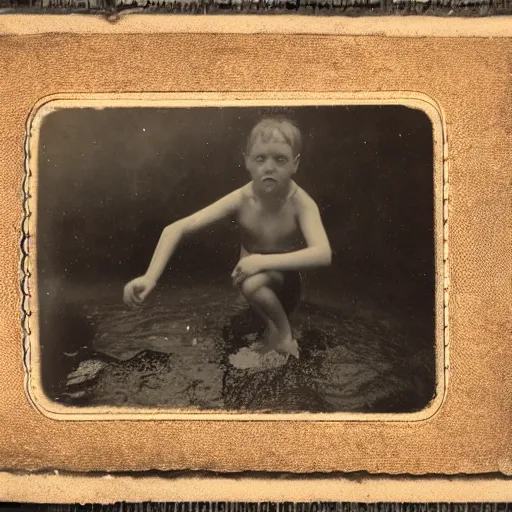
[[270, 167]]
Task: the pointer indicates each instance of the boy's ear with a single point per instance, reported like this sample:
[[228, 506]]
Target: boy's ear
[[296, 162]]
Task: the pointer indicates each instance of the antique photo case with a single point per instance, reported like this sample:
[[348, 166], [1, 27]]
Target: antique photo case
[[263, 244], [109, 174]]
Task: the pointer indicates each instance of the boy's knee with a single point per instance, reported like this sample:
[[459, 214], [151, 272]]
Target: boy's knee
[[250, 286], [254, 283]]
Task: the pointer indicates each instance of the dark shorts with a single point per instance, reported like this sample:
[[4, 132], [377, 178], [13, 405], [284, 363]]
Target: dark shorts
[[291, 291]]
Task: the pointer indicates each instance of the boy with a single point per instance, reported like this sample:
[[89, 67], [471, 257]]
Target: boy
[[274, 216]]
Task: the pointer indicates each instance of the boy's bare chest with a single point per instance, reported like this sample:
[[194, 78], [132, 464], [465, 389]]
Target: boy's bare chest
[[264, 226]]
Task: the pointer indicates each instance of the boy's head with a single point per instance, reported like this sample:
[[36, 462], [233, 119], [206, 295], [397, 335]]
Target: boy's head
[[273, 152], [276, 127]]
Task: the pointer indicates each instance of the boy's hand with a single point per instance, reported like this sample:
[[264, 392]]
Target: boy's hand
[[247, 267], [137, 290]]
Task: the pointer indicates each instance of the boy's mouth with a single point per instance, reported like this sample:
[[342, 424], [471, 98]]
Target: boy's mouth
[[268, 183]]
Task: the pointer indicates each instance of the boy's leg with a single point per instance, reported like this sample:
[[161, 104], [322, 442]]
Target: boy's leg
[[260, 291], [274, 281]]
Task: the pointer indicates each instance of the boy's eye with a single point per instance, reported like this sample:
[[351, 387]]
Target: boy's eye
[[260, 158], [281, 159]]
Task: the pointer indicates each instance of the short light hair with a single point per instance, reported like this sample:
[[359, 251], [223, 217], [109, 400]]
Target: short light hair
[[266, 128]]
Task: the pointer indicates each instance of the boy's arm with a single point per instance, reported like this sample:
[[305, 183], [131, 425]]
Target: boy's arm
[[318, 251], [173, 233]]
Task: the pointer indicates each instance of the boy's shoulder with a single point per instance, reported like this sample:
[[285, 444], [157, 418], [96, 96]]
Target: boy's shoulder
[[237, 195], [246, 190], [302, 199]]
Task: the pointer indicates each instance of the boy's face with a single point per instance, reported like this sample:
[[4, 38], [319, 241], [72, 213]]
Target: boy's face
[[272, 163]]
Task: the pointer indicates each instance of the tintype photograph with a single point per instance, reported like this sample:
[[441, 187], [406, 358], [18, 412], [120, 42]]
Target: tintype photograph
[[244, 257]]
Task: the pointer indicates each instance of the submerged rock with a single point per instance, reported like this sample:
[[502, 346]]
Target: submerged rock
[[86, 371]]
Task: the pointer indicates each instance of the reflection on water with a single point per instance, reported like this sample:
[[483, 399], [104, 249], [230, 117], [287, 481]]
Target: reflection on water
[[174, 352]]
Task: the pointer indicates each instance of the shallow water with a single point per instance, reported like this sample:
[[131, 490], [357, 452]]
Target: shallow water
[[175, 350]]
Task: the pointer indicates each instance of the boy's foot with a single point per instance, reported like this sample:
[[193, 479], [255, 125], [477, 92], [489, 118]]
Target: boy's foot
[[260, 346], [263, 344], [288, 347], [247, 359]]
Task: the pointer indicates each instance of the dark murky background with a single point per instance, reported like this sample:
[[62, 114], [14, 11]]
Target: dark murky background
[[110, 180]]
